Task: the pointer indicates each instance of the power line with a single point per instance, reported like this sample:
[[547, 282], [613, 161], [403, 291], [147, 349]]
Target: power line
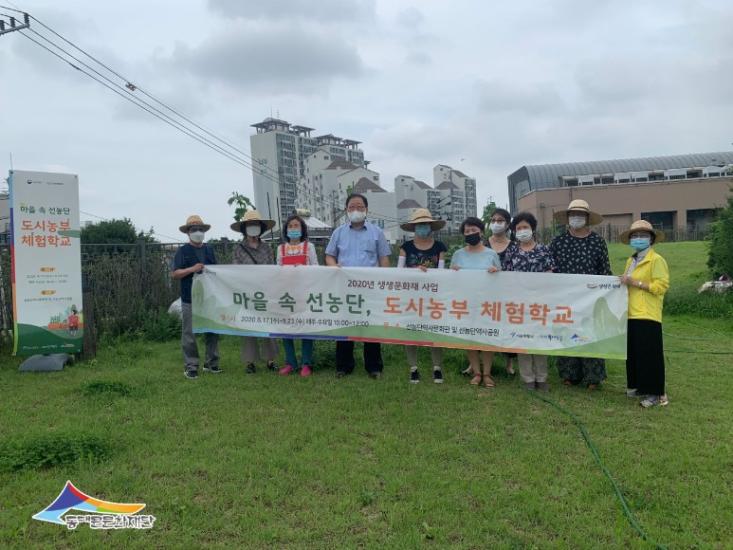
[[107, 219]]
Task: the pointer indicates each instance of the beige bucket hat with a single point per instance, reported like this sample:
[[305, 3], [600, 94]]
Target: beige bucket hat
[[641, 225], [252, 216], [192, 221], [578, 205], [422, 215]]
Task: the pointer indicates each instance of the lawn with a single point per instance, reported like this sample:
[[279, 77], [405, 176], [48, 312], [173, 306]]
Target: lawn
[[258, 461]]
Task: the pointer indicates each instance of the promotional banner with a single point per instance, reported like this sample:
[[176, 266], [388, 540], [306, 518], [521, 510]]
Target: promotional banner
[[46, 263], [544, 313]]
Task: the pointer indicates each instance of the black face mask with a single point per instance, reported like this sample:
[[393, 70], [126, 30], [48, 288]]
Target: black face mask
[[473, 239]]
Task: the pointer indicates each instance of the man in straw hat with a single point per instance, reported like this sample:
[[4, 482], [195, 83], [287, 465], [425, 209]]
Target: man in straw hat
[[424, 253], [190, 259], [582, 251], [646, 276], [252, 251]]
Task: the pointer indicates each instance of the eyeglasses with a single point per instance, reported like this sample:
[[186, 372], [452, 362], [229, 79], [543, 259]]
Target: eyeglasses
[[195, 228], [353, 208]]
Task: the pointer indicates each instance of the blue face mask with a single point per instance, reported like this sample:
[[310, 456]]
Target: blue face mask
[[640, 243], [422, 230], [294, 233]]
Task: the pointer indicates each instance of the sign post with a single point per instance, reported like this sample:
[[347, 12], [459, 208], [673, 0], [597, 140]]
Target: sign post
[[46, 263]]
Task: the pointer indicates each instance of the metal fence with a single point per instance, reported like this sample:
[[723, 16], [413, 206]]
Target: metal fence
[[130, 283]]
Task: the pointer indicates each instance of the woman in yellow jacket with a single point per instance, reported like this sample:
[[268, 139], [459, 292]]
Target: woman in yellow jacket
[[647, 278]]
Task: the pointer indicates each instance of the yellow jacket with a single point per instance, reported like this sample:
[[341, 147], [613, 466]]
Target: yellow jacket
[[652, 270]]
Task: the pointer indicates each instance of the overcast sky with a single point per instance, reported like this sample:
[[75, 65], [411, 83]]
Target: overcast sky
[[483, 86]]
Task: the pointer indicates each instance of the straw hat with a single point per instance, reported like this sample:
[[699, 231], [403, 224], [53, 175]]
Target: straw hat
[[193, 220], [422, 215], [578, 205], [641, 225], [252, 216]]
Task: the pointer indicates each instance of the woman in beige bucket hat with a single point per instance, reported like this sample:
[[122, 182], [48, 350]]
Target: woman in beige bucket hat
[[580, 251]]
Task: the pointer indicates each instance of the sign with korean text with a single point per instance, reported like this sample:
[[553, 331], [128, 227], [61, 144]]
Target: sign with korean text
[[46, 263], [543, 313]]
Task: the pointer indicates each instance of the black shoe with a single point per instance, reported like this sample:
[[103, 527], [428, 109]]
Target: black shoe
[[438, 376], [271, 365], [191, 374], [214, 369], [250, 368], [375, 375], [340, 374], [414, 376]]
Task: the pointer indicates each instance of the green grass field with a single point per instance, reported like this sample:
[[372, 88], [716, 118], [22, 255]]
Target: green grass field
[[259, 461]]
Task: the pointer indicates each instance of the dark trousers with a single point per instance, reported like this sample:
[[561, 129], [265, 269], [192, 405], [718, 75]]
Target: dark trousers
[[345, 356], [645, 357]]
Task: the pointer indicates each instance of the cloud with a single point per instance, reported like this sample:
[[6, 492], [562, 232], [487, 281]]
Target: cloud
[[512, 96], [281, 60], [412, 18], [334, 11]]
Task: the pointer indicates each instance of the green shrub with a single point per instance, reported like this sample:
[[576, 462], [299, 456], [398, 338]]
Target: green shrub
[[47, 451], [720, 258]]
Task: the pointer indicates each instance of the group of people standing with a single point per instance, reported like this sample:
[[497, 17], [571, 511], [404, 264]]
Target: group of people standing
[[511, 246]]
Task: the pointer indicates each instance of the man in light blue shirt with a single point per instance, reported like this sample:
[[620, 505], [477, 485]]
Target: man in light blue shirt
[[358, 243]]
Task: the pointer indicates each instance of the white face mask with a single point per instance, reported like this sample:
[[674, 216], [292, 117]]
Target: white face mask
[[524, 235], [576, 222], [497, 227], [196, 236], [253, 230], [356, 216]]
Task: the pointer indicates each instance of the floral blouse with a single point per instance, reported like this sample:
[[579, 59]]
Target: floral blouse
[[537, 260]]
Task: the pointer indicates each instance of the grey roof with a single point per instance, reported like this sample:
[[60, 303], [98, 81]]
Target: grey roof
[[447, 185], [540, 174], [422, 184], [341, 164], [408, 203], [365, 185]]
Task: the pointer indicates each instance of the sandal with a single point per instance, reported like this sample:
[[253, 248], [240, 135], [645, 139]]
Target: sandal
[[488, 381], [476, 380]]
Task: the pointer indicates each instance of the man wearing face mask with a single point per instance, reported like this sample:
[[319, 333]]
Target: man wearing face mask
[[190, 259], [582, 251], [358, 243]]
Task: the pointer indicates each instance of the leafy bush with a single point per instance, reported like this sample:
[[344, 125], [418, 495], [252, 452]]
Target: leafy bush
[[47, 451], [720, 259]]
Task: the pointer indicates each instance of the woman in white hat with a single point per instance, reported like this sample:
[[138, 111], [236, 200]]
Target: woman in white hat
[[423, 253], [252, 251], [647, 277], [581, 251]]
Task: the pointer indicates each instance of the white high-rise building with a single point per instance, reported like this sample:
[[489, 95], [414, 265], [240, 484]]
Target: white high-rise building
[[453, 197], [279, 151]]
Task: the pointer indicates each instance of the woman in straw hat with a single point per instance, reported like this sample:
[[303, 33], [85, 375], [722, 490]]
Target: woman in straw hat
[[423, 253], [252, 251], [477, 256], [190, 259], [582, 251], [647, 278]]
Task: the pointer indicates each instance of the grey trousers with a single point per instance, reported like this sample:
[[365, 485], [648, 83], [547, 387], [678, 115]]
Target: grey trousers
[[532, 368], [188, 342], [251, 352], [436, 355]]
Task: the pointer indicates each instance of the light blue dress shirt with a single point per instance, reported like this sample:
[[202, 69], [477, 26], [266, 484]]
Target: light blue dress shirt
[[358, 247]]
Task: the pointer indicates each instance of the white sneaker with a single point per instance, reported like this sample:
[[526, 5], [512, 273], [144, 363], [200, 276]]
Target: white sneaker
[[654, 401], [631, 392]]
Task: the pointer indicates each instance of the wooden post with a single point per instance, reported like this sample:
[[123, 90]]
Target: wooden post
[[89, 346]]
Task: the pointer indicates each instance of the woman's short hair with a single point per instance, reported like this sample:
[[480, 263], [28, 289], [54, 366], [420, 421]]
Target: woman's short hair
[[473, 221], [524, 217], [503, 213], [303, 227]]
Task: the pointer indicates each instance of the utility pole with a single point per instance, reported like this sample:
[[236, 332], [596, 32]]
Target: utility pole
[[14, 26]]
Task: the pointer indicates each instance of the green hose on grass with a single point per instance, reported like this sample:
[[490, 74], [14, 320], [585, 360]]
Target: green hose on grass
[[596, 455]]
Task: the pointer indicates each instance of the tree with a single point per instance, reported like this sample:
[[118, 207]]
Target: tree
[[114, 232], [242, 204], [720, 255], [489, 210]]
